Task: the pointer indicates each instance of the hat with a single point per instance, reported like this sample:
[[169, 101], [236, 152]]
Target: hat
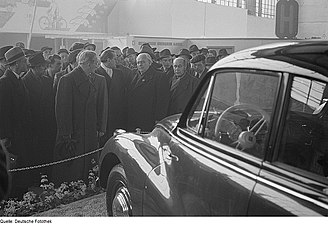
[[89, 44], [130, 51], [125, 50], [45, 48], [3, 50], [14, 54], [36, 59], [156, 55], [213, 51], [104, 50], [20, 44], [149, 50], [76, 45], [108, 53], [28, 52], [193, 48], [72, 55], [197, 58], [223, 52], [184, 52], [62, 50], [165, 53], [204, 50], [211, 60], [115, 48], [147, 44]]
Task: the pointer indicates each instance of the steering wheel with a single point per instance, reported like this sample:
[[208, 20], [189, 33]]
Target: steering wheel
[[244, 139]]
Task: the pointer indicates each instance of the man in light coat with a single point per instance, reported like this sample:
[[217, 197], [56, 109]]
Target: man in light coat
[[81, 115]]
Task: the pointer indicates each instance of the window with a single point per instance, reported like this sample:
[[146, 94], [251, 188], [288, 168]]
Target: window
[[261, 8], [238, 112], [304, 142]]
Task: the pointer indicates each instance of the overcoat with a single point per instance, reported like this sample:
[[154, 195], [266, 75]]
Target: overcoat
[[148, 99], [169, 73], [14, 121], [81, 110], [43, 124], [4, 175], [180, 96], [201, 75], [117, 105]]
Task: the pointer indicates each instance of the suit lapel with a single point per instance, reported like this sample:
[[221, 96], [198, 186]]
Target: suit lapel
[[183, 84], [144, 80], [81, 81]]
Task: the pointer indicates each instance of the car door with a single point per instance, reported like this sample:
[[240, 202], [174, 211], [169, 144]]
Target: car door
[[294, 180], [203, 174]]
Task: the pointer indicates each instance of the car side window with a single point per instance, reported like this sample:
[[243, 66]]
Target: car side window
[[240, 109], [304, 142]]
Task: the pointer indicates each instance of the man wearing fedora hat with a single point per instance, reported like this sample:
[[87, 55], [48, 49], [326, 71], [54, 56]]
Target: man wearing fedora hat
[[46, 52], [41, 105], [76, 45], [194, 50], [3, 67], [120, 63], [14, 118], [131, 56], [145, 48], [210, 61], [184, 53], [89, 46], [198, 64], [71, 66], [63, 53], [166, 59]]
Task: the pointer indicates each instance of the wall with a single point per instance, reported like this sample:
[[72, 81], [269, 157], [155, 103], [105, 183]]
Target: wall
[[184, 18], [313, 19], [263, 27]]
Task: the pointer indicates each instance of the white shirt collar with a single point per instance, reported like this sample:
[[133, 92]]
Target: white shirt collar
[[109, 71], [17, 76]]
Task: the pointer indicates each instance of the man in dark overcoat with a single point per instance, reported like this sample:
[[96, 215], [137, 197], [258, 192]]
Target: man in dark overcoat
[[117, 85], [3, 66], [72, 65], [199, 65], [81, 115], [148, 95], [183, 86], [14, 118], [166, 59], [43, 123]]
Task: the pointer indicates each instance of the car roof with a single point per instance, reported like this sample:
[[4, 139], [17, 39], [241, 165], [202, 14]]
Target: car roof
[[308, 58]]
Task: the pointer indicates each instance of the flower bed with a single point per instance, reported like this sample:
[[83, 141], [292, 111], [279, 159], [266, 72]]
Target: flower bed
[[48, 197]]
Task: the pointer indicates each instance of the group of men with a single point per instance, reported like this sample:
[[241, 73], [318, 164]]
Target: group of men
[[56, 106]]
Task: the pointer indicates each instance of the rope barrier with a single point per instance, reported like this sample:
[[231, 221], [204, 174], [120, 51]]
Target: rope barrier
[[55, 163]]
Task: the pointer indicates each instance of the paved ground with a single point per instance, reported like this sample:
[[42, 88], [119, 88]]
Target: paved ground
[[92, 206]]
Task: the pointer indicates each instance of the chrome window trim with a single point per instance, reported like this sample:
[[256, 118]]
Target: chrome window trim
[[257, 178]]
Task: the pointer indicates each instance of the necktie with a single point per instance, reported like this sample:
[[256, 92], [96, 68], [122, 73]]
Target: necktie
[[175, 82]]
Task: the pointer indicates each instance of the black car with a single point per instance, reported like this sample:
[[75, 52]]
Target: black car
[[253, 140]]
